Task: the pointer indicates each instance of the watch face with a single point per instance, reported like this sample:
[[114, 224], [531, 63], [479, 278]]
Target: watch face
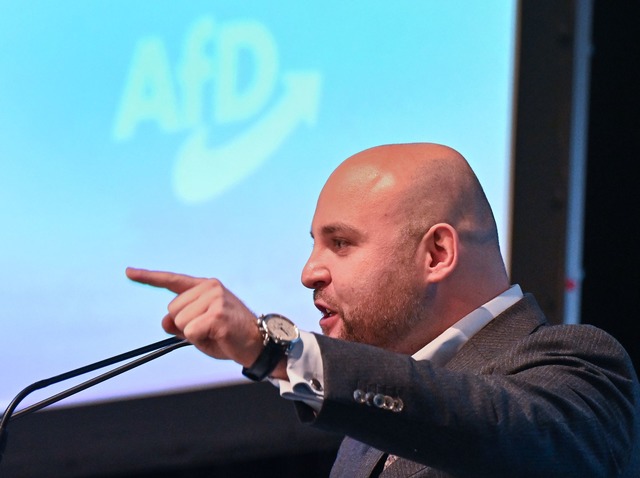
[[281, 328]]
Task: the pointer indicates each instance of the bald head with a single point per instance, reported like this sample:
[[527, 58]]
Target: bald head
[[422, 184]]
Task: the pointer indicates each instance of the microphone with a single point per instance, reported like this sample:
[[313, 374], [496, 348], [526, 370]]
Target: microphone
[[152, 352]]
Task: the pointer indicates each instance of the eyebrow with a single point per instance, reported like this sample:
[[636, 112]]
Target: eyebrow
[[338, 227]]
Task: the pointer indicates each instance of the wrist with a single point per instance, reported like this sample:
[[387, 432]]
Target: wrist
[[254, 348], [280, 372], [278, 334]]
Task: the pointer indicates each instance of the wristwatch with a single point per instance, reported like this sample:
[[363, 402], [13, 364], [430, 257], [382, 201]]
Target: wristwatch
[[278, 334]]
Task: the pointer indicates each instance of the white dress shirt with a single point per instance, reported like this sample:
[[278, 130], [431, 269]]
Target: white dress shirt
[[304, 364]]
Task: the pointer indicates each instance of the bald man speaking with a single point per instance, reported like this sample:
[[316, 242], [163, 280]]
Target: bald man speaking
[[431, 363]]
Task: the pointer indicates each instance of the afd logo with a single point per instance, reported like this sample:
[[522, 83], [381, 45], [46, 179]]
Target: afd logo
[[228, 73]]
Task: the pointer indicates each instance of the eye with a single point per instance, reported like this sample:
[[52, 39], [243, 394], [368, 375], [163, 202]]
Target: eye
[[340, 243]]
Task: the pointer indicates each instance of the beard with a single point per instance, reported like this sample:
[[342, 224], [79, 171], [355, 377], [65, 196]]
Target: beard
[[384, 314]]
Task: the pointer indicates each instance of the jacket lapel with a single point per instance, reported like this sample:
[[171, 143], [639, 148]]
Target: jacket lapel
[[355, 460], [403, 468]]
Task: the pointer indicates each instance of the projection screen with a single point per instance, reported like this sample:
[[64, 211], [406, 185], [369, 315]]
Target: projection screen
[[195, 137]]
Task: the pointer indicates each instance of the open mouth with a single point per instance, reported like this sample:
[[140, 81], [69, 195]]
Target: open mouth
[[326, 313], [330, 313]]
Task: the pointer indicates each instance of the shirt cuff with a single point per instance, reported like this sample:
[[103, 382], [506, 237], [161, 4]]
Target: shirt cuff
[[305, 372]]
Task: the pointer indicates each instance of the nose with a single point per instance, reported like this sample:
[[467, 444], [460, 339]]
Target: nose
[[315, 274]]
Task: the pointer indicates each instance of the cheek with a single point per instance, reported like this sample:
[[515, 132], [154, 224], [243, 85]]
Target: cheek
[[360, 282], [361, 271], [355, 279], [347, 289], [346, 270]]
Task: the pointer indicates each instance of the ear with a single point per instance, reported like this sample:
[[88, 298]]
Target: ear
[[440, 248]]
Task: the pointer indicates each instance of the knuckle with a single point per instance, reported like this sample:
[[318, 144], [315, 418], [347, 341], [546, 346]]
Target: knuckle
[[213, 283], [222, 332], [173, 308]]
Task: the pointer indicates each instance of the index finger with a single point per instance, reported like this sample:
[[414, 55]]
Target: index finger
[[172, 281]]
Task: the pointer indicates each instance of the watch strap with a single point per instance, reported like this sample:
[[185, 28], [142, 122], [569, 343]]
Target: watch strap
[[266, 362]]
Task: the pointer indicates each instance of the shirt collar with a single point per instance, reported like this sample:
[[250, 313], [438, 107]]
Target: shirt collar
[[441, 349]]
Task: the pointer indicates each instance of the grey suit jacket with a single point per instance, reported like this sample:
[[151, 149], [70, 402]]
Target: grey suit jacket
[[520, 399]]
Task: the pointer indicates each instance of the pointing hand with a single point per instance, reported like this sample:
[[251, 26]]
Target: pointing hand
[[207, 314]]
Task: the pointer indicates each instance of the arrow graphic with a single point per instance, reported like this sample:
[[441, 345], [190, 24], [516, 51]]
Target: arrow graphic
[[202, 173]]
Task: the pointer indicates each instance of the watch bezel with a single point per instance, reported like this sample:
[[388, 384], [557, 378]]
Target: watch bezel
[[271, 335]]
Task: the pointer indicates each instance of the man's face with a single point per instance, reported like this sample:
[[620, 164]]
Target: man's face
[[365, 274]]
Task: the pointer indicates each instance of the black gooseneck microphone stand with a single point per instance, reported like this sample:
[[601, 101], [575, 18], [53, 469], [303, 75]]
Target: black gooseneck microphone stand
[[152, 351]]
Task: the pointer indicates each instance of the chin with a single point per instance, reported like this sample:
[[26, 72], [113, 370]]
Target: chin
[[334, 332]]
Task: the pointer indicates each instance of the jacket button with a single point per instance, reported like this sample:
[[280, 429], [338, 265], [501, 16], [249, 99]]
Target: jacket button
[[378, 400], [358, 396], [398, 405], [368, 397]]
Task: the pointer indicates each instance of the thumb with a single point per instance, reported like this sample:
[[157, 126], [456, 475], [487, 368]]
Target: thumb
[[177, 283]]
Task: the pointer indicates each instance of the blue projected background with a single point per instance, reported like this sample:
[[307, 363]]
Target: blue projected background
[[195, 137]]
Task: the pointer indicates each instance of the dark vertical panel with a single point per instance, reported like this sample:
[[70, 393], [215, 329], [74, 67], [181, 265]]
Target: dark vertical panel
[[612, 235], [542, 140]]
